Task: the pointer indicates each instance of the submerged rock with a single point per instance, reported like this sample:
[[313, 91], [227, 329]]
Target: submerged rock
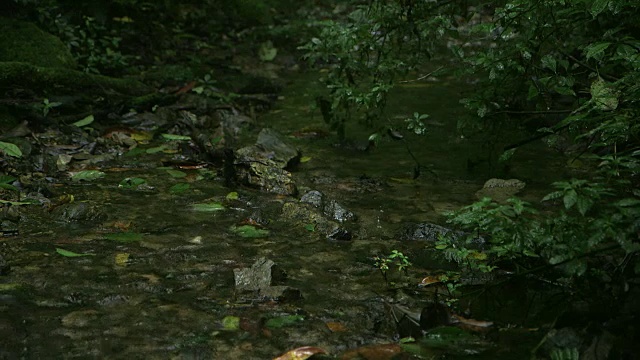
[[500, 190], [304, 214], [79, 211], [329, 207], [262, 277], [427, 231], [432, 232]]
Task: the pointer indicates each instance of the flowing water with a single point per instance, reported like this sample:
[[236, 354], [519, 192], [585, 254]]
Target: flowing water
[[170, 292]]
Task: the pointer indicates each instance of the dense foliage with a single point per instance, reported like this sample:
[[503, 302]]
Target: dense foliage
[[568, 70]]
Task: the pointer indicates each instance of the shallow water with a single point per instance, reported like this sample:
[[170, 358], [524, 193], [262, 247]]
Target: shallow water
[[170, 295]]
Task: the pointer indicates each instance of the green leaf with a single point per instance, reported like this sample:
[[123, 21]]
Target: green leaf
[[176, 173], [231, 323], [598, 6], [133, 182], [603, 95], [507, 155], [549, 62], [282, 321], [176, 137], [232, 196], [596, 50], [84, 122], [5, 179], [249, 231], [68, 253], [267, 51], [124, 237], [310, 227], [87, 175], [179, 188], [156, 149], [570, 199], [10, 149], [16, 203], [8, 187], [584, 204], [207, 207], [628, 202]]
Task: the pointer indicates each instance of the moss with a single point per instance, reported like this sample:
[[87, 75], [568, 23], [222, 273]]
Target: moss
[[43, 79], [24, 42]]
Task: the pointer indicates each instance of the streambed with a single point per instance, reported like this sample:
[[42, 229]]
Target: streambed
[[169, 292]]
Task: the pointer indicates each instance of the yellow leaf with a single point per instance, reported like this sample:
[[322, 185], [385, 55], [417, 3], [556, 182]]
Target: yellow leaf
[[122, 259]]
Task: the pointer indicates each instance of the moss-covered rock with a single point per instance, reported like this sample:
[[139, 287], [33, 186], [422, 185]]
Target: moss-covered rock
[[24, 42]]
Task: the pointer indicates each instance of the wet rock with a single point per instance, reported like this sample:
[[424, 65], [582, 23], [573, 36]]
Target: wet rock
[[263, 165], [329, 207], [432, 232], [500, 190], [303, 214], [8, 228], [80, 318], [427, 231], [79, 211], [264, 277], [265, 175], [271, 143], [340, 235]]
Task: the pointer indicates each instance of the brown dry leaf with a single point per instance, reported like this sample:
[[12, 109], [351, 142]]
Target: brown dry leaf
[[335, 326], [123, 225], [471, 324], [431, 279], [300, 353], [373, 352]]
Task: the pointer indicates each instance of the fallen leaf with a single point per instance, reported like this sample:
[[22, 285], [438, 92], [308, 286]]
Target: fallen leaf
[[84, 122], [335, 326], [122, 259], [301, 353], [207, 207], [471, 322], [373, 352], [430, 280], [249, 231], [68, 253], [87, 175], [231, 323]]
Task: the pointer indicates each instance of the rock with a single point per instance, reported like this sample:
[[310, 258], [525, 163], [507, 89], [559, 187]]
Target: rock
[[303, 214], [427, 231], [260, 277], [432, 232], [266, 175], [256, 277], [263, 165], [500, 190], [79, 211], [329, 207]]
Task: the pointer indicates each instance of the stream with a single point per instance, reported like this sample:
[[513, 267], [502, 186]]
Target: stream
[[166, 288]]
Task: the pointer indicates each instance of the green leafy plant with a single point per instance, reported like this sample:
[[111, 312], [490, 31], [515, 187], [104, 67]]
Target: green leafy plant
[[48, 105], [369, 52], [395, 258]]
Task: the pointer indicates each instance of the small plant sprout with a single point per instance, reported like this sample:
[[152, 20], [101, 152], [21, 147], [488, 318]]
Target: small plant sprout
[[396, 258]]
